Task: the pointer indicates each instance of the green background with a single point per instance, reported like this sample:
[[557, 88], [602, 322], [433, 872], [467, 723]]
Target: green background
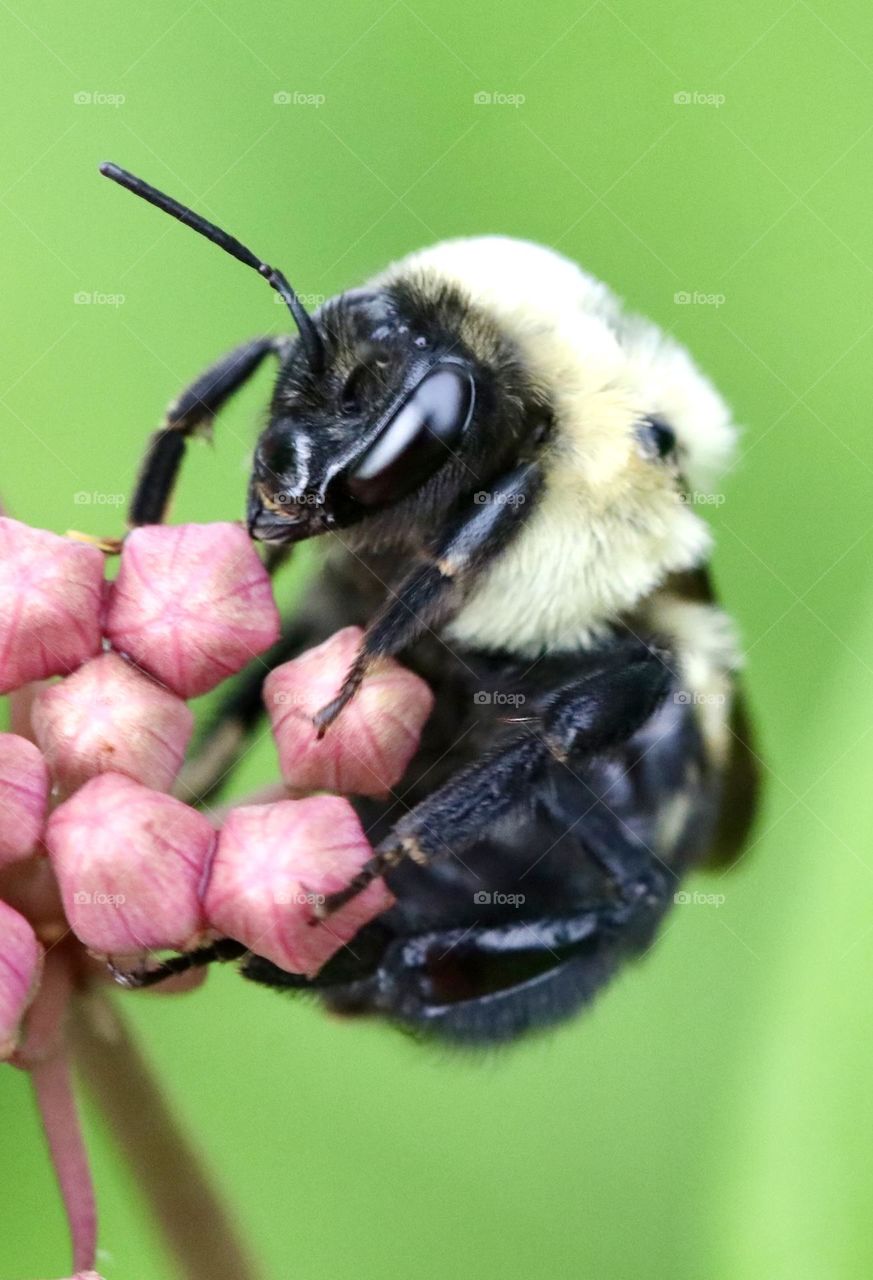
[[712, 1116]]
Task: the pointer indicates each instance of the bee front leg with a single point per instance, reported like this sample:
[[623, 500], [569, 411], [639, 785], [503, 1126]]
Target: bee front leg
[[597, 713], [192, 411], [429, 594]]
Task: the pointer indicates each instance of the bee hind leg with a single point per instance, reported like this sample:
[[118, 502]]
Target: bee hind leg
[[598, 712], [487, 984], [135, 979]]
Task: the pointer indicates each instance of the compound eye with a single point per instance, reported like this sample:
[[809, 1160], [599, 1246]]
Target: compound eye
[[657, 438], [417, 440]]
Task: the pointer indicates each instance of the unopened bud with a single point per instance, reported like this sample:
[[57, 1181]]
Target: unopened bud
[[368, 748], [192, 604], [130, 863], [24, 787], [20, 965], [50, 603], [274, 865], [111, 718]]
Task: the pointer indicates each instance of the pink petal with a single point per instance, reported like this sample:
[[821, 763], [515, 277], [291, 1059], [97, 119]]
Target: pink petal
[[50, 603], [130, 864], [110, 717], [20, 965], [367, 750], [24, 788], [274, 863], [192, 604]]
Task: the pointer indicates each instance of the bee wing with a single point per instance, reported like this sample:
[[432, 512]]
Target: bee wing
[[741, 789], [741, 786]]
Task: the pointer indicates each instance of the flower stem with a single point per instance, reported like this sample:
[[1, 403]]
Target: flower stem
[[45, 1055], [186, 1205], [53, 1086]]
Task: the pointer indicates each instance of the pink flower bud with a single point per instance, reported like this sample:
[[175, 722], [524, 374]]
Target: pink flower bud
[[130, 863], [20, 964], [24, 788], [366, 751], [275, 863], [50, 600], [109, 717], [192, 604]]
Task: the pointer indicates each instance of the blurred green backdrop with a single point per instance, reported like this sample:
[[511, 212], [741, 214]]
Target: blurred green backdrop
[[712, 1116]]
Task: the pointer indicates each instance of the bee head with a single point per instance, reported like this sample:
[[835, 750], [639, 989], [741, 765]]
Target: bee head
[[387, 408], [379, 398]]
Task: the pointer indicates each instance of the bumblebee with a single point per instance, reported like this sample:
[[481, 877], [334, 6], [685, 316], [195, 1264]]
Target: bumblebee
[[505, 469]]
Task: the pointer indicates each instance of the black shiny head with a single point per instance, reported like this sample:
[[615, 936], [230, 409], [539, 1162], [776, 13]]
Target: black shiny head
[[390, 407], [392, 393]]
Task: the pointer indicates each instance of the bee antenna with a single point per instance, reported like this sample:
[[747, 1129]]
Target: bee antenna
[[309, 334]]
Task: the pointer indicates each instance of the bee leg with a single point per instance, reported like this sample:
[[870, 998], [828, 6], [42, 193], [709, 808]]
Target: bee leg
[[353, 963], [596, 713], [428, 595], [240, 708], [491, 983], [223, 949], [219, 747], [193, 410]]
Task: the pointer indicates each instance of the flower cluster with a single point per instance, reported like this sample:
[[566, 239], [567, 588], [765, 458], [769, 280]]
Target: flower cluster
[[98, 860]]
